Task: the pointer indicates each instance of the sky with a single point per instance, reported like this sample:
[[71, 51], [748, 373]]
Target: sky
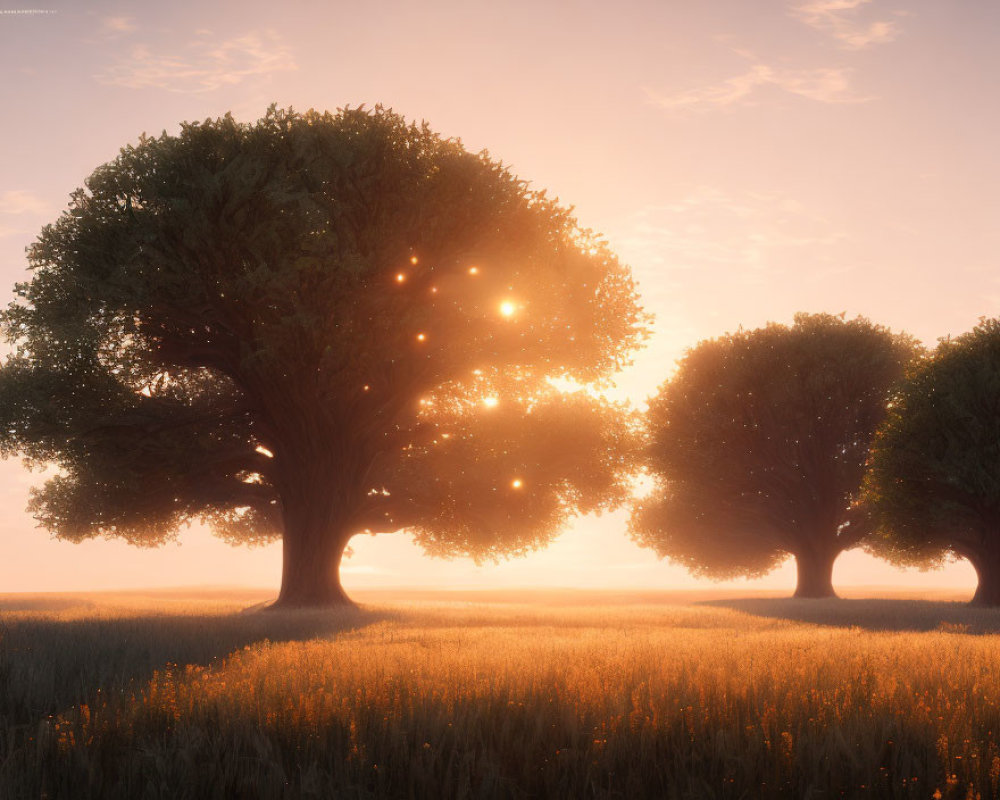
[[747, 160]]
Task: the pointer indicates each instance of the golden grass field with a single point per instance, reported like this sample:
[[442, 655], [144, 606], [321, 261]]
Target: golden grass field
[[536, 694]]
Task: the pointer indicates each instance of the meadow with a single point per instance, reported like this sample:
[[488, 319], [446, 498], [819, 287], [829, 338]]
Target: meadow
[[528, 695]]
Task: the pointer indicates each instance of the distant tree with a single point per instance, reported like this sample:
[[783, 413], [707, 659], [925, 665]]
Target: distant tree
[[313, 326], [758, 447], [934, 482]]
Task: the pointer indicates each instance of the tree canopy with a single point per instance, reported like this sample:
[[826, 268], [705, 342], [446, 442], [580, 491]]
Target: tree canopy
[[758, 445], [312, 326], [934, 482]]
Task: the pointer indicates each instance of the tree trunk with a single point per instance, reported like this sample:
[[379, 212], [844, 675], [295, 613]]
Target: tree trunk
[[313, 545], [815, 574], [988, 588]]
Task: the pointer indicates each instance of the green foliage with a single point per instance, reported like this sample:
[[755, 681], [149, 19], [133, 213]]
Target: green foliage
[[934, 483], [245, 320], [759, 441]]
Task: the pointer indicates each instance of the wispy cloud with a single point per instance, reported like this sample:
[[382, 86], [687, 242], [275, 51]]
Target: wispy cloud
[[840, 19], [17, 203], [119, 24], [742, 238], [203, 65], [20, 202], [822, 84]]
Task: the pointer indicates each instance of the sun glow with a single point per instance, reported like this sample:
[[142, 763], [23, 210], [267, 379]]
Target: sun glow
[[507, 308], [490, 402], [400, 277], [473, 270], [517, 483], [421, 337]]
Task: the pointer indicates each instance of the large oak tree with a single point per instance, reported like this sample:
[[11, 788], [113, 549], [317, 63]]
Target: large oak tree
[[758, 446], [934, 481], [313, 326]]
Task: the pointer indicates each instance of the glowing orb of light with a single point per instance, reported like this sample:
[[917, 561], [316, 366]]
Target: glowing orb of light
[[473, 270], [517, 483], [490, 402], [507, 308], [400, 277], [421, 337]]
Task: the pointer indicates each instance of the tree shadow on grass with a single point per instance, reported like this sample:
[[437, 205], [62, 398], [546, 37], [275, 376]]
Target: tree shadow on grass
[[873, 614], [49, 664]]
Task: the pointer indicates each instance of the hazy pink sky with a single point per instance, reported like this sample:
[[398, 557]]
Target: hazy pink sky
[[748, 160]]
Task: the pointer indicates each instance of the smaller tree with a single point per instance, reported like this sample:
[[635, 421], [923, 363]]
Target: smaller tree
[[934, 483], [758, 446]]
